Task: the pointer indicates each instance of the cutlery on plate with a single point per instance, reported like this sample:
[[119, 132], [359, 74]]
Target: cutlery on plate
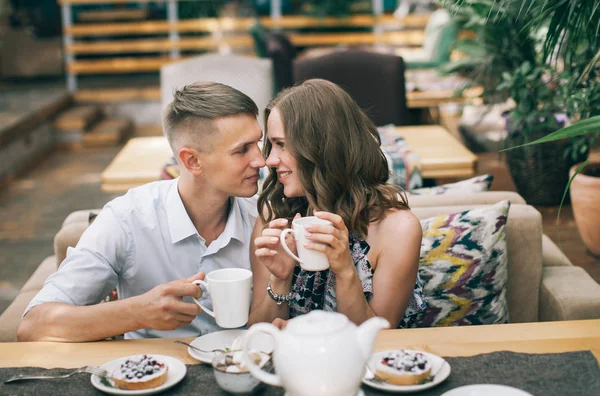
[[86, 369], [439, 369], [213, 350], [200, 349]]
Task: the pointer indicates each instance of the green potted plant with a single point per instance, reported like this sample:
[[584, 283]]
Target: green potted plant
[[573, 28], [507, 58]]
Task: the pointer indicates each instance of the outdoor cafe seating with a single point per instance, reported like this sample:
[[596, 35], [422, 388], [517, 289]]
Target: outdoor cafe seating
[[511, 285]]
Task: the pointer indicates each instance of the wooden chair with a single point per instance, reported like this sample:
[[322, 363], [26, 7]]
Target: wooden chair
[[282, 53], [440, 35], [252, 76], [259, 37]]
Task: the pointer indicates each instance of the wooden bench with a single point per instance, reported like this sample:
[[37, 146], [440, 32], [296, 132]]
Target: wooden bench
[[124, 46], [414, 99]]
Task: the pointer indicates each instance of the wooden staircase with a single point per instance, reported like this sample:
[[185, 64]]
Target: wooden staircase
[[86, 126]]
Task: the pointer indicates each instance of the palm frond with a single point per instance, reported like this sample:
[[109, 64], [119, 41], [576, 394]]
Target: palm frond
[[570, 23], [583, 127]]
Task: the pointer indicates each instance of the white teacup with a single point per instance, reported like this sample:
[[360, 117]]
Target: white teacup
[[229, 290], [310, 260]]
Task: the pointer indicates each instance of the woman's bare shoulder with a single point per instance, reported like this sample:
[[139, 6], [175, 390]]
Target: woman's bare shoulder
[[392, 235], [400, 221]]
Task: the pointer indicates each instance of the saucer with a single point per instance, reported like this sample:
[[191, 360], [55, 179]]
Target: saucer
[[359, 393], [175, 374], [223, 339], [439, 366], [486, 389]]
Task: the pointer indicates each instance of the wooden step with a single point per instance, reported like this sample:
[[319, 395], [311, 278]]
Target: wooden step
[[242, 24], [77, 118], [158, 45], [148, 130], [109, 132], [110, 95], [112, 15], [118, 65]]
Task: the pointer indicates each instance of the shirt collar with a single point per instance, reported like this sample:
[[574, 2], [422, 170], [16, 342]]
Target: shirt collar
[[235, 223], [181, 225]]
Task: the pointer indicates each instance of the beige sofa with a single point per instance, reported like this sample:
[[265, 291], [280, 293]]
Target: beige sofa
[[71, 229], [543, 284]]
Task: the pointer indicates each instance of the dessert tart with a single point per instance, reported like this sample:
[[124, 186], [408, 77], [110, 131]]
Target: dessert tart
[[140, 372], [404, 367]]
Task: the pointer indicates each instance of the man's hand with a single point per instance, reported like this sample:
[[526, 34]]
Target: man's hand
[[163, 308]]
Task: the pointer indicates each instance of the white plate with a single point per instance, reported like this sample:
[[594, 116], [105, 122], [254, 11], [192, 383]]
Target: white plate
[[487, 390], [175, 374], [223, 339], [439, 367]]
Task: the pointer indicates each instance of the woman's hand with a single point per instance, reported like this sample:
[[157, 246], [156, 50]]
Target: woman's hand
[[279, 323], [270, 253], [333, 241]]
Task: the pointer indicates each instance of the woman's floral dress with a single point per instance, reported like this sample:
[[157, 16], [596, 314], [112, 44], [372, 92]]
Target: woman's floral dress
[[316, 290]]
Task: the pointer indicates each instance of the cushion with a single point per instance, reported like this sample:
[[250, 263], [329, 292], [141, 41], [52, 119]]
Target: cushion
[[43, 271], [472, 185], [559, 300], [66, 237], [11, 317], [404, 163], [463, 265], [170, 169]]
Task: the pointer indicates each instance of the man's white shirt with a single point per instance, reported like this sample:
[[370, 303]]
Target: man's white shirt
[[141, 240]]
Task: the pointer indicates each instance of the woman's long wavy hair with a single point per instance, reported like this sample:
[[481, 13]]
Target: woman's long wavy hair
[[339, 159]]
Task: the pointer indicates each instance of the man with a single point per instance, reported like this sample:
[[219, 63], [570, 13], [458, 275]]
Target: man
[[155, 240]]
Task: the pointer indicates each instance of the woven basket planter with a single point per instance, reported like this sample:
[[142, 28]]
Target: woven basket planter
[[540, 172]]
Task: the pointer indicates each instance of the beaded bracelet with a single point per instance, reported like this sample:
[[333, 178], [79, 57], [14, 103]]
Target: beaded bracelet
[[278, 298]]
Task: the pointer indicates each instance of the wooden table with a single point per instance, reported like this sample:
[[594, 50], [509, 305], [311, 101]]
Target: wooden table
[[442, 155], [549, 337], [432, 98], [139, 162]]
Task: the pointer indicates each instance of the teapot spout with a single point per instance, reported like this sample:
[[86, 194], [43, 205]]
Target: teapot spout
[[367, 332]]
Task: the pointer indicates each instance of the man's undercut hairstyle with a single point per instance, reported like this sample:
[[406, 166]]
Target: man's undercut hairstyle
[[188, 119]]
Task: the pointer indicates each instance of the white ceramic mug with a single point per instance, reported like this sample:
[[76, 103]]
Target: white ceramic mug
[[310, 260], [229, 290]]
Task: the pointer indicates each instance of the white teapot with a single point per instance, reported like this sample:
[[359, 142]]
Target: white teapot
[[320, 353]]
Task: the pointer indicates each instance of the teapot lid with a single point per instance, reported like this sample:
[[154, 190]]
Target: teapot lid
[[317, 323]]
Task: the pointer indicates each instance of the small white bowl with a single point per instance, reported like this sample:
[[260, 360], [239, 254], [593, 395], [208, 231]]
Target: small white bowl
[[237, 383]]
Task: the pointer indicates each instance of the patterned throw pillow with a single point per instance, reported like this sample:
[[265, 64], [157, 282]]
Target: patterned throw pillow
[[463, 265], [472, 185], [404, 163], [170, 169]]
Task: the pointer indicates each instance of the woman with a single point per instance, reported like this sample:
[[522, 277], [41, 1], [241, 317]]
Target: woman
[[325, 160]]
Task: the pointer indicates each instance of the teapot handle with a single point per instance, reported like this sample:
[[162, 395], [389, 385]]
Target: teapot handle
[[271, 379]]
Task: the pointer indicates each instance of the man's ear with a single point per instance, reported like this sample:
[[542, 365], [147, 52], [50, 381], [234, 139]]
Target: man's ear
[[190, 159]]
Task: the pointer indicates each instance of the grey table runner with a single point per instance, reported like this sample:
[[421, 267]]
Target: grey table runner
[[560, 374]]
